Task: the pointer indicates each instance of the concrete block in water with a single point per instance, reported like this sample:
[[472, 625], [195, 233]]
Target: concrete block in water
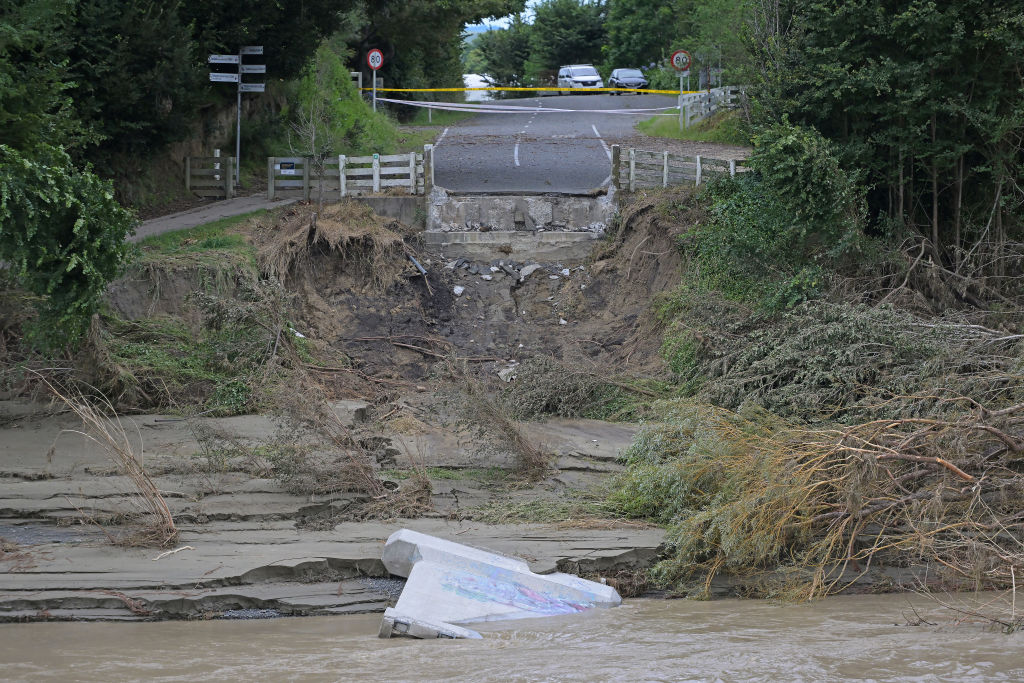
[[449, 583]]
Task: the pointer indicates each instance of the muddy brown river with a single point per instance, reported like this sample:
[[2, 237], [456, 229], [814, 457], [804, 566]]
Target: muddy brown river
[[855, 637]]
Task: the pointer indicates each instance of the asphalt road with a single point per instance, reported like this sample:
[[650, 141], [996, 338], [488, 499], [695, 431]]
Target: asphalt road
[[537, 151]]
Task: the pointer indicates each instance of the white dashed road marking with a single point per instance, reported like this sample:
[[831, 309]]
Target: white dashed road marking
[[607, 150]]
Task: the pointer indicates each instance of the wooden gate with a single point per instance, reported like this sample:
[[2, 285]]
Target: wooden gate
[[210, 176]]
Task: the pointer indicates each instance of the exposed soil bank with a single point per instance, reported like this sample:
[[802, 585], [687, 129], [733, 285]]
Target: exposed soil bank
[[247, 543]]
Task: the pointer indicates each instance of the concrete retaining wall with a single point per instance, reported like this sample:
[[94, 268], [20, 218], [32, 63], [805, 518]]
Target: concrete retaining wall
[[407, 209], [565, 247], [529, 213]]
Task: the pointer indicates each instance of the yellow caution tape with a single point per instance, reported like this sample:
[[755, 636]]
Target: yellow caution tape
[[579, 90]]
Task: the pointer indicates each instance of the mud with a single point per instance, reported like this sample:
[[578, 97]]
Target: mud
[[248, 542], [245, 542]]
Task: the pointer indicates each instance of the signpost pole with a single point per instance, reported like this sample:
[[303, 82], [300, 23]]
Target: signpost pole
[[238, 123], [374, 60]]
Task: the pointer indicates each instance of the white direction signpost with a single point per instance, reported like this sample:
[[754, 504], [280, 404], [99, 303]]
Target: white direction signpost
[[220, 77], [375, 60]]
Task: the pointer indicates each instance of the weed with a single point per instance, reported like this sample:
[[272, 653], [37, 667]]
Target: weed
[[155, 525], [545, 386], [575, 506], [726, 127], [746, 492]]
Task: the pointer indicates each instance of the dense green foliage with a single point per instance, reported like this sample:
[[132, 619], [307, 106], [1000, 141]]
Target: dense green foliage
[[330, 117], [925, 98], [62, 235], [615, 34], [421, 39], [769, 234], [564, 32]]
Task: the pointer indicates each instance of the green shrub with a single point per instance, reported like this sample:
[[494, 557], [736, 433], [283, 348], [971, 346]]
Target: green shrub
[[63, 235], [773, 236]]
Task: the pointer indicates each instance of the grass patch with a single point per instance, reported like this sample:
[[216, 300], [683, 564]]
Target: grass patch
[[412, 140], [438, 117], [725, 127], [213, 236], [574, 506], [486, 475], [545, 386]]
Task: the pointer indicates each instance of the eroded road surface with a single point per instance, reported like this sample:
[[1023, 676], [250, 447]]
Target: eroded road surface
[[539, 151]]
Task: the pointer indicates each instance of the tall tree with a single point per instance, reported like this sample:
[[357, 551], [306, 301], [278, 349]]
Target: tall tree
[[565, 32], [504, 52], [34, 103], [135, 73], [637, 34], [925, 97]]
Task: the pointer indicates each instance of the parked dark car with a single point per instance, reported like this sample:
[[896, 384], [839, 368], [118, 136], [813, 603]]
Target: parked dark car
[[627, 78]]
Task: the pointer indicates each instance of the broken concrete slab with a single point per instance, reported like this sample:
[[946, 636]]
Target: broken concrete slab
[[450, 584]]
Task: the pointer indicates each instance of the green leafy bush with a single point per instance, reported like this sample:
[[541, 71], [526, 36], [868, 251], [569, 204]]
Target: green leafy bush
[[63, 235], [772, 235]]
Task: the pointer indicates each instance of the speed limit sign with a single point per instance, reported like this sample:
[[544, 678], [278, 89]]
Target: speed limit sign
[[681, 60], [375, 58]]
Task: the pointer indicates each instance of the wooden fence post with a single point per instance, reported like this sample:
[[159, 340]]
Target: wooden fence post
[[616, 162], [188, 174], [229, 177], [342, 184], [732, 168], [428, 169], [270, 178], [305, 178], [632, 169], [412, 172], [664, 169], [698, 171], [376, 171]]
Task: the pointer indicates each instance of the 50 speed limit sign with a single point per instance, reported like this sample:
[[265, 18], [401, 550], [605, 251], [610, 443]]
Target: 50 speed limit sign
[[681, 60], [375, 59]]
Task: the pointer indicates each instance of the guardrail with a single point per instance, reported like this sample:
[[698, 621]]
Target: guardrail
[[640, 168], [344, 176], [210, 176]]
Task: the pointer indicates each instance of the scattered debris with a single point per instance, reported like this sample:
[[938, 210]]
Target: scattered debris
[[449, 583]]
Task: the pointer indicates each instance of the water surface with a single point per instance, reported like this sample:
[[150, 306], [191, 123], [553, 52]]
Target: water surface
[[853, 637]]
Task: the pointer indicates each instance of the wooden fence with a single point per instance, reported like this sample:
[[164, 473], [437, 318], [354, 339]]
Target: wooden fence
[[696, 107], [210, 176], [641, 168], [347, 176]]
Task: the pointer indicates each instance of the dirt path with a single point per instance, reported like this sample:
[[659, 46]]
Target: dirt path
[[206, 213]]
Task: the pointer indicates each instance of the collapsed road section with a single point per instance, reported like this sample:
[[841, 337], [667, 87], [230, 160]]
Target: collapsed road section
[[450, 584], [550, 226]]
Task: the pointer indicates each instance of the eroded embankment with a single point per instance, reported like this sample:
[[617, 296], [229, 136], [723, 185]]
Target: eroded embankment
[[249, 542]]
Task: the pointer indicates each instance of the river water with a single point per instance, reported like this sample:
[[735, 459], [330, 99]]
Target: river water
[[854, 637]]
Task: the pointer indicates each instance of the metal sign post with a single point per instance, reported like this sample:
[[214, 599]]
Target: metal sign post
[[681, 61], [216, 77], [375, 60]]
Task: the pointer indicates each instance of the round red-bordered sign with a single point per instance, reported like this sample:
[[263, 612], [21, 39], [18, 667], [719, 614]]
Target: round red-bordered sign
[[680, 60], [375, 59]]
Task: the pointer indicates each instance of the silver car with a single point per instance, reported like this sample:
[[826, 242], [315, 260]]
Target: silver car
[[576, 77]]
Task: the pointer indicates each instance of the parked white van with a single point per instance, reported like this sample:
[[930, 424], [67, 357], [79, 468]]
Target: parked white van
[[577, 77]]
